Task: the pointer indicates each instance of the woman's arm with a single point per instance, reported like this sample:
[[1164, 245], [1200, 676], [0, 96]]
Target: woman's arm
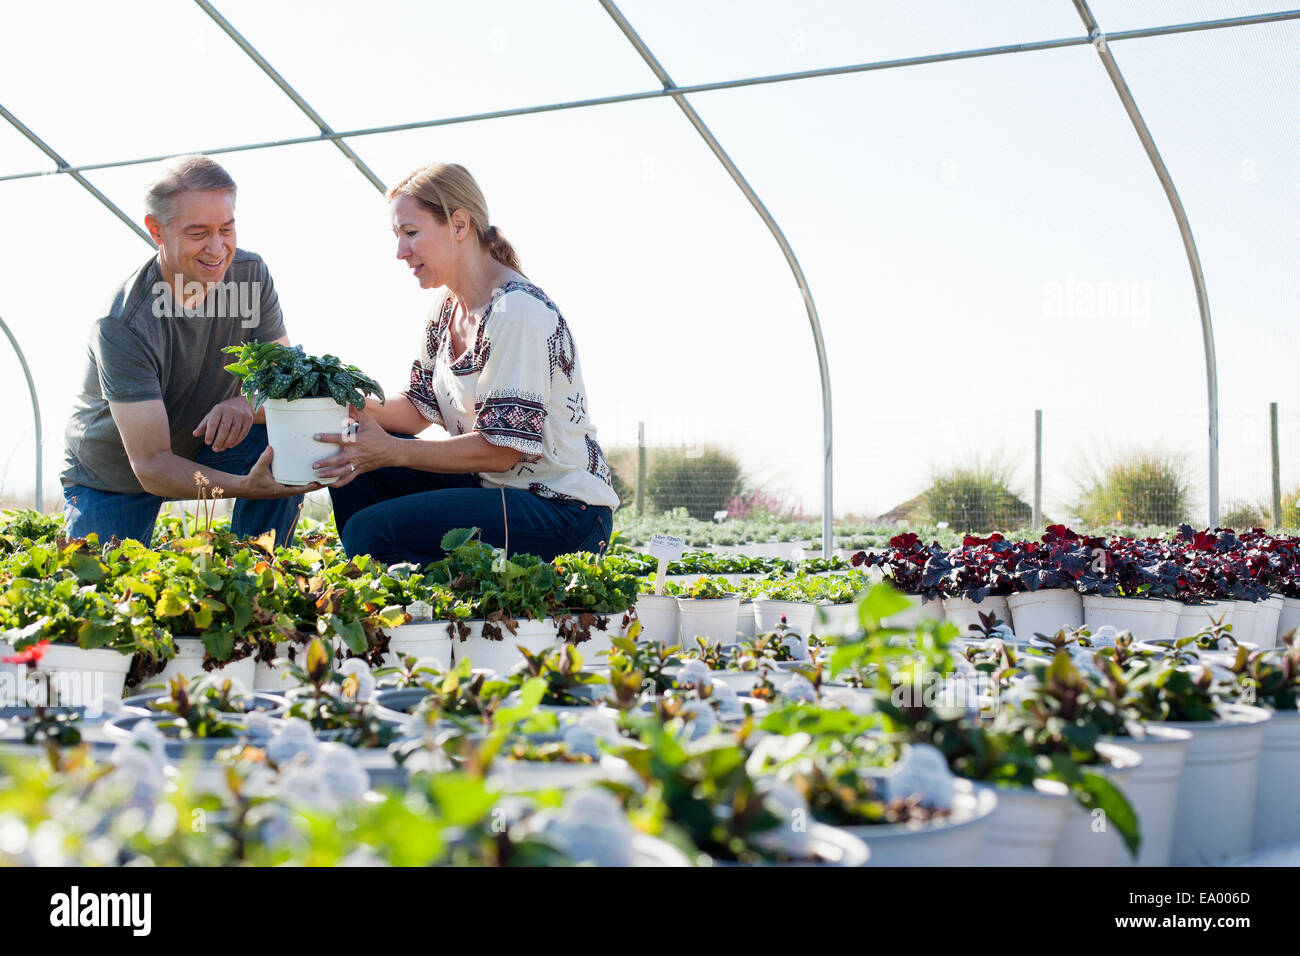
[[373, 447], [397, 415]]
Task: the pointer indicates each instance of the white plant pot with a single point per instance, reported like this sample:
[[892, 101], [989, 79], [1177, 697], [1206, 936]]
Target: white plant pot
[[1276, 821], [920, 610], [427, 639], [1026, 824], [742, 682], [1243, 620], [965, 613], [746, 621], [798, 617], [502, 656], [1088, 840], [595, 649], [1152, 789], [660, 619], [1289, 618], [290, 426], [273, 678], [953, 841], [1216, 797], [77, 677], [189, 662], [13, 679], [1044, 612], [836, 620], [1195, 618], [1267, 619], [714, 619], [1148, 619]]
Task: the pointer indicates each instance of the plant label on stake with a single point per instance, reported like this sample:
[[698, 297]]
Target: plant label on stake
[[665, 548]]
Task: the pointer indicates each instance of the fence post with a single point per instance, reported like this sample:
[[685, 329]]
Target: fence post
[[1038, 467], [1277, 468], [640, 468]]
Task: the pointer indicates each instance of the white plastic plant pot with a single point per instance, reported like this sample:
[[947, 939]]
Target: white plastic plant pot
[[1148, 619], [1243, 620], [1026, 824], [919, 611], [427, 639], [1289, 618], [798, 616], [12, 679], [1276, 821], [503, 656], [290, 426], [836, 620], [955, 840], [1152, 789], [965, 613], [1215, 818], [1044, 612], [829, 846], [83, 678], [742, 682], [746, 621], [189, 662], [660, 619], [713, 619], [595, 649], [278, 677], [1195, 618], [1267, 619], [1087, 837]]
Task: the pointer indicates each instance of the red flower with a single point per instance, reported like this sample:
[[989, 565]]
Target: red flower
[[31, 657]]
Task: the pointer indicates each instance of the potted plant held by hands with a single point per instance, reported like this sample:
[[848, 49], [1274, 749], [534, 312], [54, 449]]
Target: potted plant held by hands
[[304, 396]]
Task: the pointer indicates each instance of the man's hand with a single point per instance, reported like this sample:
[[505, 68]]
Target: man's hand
[[227, 424], [370, 448], [260, 483]]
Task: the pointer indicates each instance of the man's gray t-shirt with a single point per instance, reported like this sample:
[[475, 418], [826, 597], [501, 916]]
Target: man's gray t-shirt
[[147, 347]]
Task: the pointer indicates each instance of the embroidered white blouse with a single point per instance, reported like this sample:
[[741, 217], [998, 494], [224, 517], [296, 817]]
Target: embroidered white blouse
[[519, 385]]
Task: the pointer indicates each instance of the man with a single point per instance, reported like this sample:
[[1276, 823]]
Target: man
[[158, 414]]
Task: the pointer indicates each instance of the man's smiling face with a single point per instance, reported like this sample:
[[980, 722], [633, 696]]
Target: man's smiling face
[[199, 242]]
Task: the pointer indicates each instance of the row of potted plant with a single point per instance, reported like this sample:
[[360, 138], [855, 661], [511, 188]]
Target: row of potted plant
[[1162, 587]]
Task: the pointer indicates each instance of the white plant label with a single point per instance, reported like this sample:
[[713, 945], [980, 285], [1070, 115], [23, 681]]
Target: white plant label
[[666, 548], [1105, 636]]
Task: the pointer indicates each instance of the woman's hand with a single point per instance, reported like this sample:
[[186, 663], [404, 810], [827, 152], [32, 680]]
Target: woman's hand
[[370, 447]]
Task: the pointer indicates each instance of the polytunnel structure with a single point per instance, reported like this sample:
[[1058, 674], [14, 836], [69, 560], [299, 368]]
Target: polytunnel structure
[[989, 210]]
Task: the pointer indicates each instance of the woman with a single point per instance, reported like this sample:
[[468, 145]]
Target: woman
[[499, 372]]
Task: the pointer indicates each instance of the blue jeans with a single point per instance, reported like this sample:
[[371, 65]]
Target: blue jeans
[[109, 513], [401, 514]]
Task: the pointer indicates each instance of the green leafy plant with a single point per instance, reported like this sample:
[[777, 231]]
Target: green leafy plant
[[272, 370], [1141, 487]]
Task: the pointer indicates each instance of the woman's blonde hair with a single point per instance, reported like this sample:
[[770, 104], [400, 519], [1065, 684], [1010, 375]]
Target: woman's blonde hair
[[442, 188]]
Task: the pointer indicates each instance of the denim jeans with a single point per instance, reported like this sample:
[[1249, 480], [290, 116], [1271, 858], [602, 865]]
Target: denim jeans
[[401, 514], [109, 513]]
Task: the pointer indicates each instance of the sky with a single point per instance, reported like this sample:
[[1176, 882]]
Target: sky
[[982, 238]]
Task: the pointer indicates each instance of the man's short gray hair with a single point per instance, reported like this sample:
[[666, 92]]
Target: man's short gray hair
[[183, 174]]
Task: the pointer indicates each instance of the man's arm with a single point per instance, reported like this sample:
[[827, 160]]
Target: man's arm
[[227, 423], [146, 435]]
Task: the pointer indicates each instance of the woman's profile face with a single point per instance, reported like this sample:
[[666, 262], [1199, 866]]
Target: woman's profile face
[[423, 243]]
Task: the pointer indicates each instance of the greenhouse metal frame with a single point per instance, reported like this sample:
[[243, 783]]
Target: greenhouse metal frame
[[1095, 36]]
